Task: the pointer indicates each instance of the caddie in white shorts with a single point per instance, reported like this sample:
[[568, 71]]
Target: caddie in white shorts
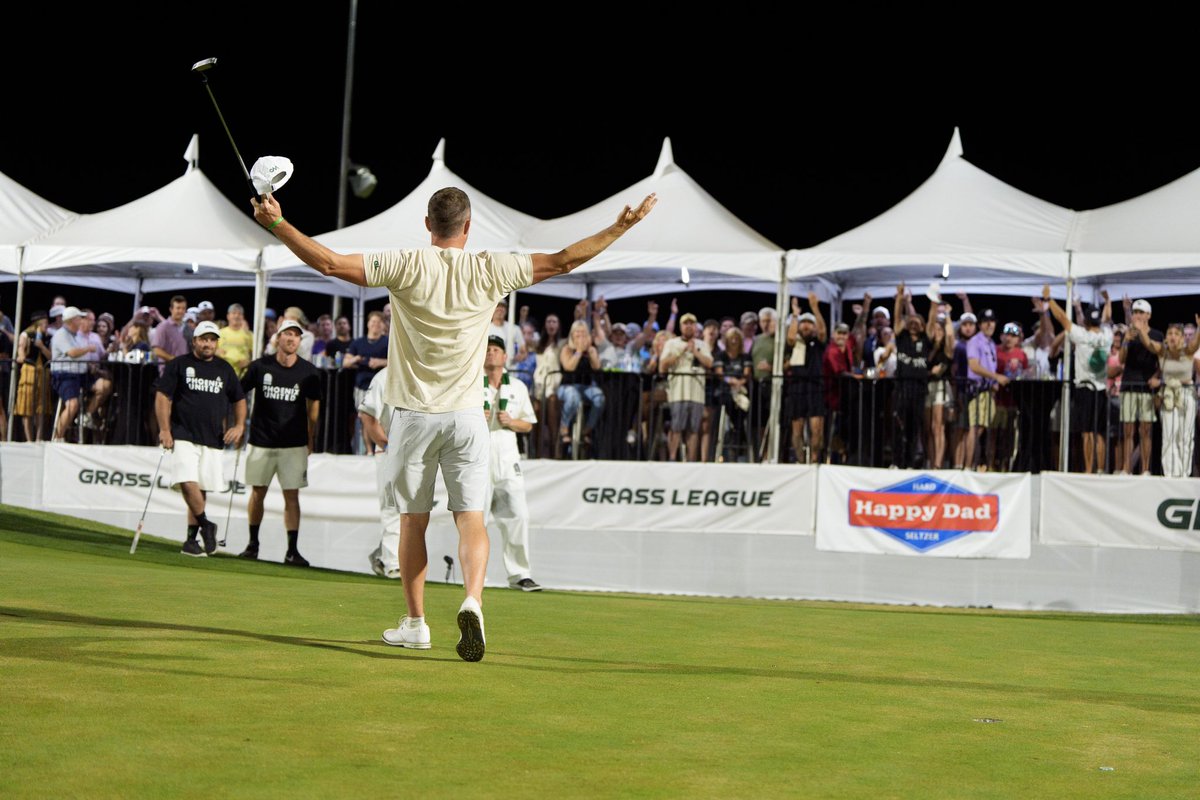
[[193, 398]]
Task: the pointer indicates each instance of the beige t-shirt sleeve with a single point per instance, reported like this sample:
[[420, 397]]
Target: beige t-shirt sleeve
[[387, 269], [512, 270]]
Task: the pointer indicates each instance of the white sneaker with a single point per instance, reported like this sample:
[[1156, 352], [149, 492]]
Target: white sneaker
[[470, 623], [408, 634], [392, 574]]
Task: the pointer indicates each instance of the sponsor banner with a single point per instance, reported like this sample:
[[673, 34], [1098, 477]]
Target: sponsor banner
[[911, 512], [589, 495], [1120, 511], [734, 498], [117, 478]]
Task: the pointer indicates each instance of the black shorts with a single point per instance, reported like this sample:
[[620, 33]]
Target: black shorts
[[1088, 409], [805, 396]]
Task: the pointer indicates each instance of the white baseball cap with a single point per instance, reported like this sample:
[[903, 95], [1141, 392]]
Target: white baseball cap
[[1141, 305], [205, 305], [881, 310], [56, 311], [70, 312], [290, 324], [205, 328], [270, 173]]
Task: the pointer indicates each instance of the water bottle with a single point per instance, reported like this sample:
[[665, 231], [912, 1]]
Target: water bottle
[[337, 360]]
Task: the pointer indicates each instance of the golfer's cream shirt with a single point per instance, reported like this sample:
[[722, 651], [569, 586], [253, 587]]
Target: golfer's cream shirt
[[442, 304]]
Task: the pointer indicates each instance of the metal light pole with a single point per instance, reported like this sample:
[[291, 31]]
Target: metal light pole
[[344, 165]]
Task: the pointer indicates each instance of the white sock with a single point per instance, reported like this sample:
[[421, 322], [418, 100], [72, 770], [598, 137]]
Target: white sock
[[416, 622]]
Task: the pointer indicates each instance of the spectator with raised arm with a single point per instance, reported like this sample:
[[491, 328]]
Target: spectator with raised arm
[[1089, 396], [806, 337], [1178, 400], [1139, 382]]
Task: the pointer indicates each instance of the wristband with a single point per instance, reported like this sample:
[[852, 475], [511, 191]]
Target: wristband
[[272, 226]]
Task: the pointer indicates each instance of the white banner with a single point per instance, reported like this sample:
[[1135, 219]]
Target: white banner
[[733, 498], [1121, 511], [118, 478], [950, 514]]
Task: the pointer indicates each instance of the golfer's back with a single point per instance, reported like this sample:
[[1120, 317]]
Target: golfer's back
[[442, 303]]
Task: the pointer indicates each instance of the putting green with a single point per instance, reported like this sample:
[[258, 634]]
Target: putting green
[[156, 675]]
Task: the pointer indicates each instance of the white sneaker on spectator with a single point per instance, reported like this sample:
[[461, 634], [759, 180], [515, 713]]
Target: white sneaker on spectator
[[470, 624], [408, 634], [85, 419]]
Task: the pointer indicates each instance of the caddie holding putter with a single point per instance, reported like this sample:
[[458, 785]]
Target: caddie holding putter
[[281, 433], [192, 403]]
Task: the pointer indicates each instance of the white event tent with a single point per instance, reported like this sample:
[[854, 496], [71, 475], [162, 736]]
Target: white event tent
[[1148, 246], [24, 216], [187, 231], [494, 226], [691, 232], [993, 237]]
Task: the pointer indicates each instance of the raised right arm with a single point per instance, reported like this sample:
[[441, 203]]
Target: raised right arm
[[549, 265]]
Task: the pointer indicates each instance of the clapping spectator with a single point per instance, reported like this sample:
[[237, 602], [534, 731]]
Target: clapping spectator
[[580, 362]]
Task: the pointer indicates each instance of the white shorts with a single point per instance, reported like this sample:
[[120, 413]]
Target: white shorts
[[419, 443], [194, 463], [289, 463]]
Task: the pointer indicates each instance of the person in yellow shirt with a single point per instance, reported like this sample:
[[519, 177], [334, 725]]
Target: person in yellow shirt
[[236, 343]]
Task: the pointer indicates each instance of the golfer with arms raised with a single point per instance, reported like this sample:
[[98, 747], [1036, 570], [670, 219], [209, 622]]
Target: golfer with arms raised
[[442, 303]]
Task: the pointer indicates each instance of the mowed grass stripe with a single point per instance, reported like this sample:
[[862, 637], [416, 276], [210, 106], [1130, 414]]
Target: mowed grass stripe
[[159, 675]]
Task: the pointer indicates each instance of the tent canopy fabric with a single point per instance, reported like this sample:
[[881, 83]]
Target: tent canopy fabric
[[186, 222], [1149, 245], [494, 226], [989, 233], [690, 230], [24, 216]]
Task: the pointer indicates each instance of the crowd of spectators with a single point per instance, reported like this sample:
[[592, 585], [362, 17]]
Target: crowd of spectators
[[946, 386]]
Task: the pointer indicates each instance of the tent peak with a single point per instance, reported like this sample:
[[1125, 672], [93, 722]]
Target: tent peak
[[666, 159], [955, 150], [439, 152], [192, 154]]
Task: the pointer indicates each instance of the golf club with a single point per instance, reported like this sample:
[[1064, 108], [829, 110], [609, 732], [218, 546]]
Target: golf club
[[200, 68], [138, 533], [449, 567], [232, 488]]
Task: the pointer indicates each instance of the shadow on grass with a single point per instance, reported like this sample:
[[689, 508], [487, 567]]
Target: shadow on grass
[[55, 532], [562, 664], [22, 648]]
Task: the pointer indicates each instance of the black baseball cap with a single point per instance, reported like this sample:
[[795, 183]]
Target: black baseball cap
[[496, 341], [987, 314]]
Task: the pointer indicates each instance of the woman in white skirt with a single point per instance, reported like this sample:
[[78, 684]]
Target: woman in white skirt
[[1178, 398]]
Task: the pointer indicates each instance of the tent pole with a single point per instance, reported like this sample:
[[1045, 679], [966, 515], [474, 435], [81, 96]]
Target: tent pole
[[137, 296], [1064, 405], [14, 374], [359, 311], [777, 367]]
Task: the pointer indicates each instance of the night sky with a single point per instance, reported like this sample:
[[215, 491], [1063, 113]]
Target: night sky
[[800, 145]]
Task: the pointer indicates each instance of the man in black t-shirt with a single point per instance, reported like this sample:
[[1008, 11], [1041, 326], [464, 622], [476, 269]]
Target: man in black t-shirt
[[195, 393], [286, 405], [914, 345], [1139, 380], [806, 335]]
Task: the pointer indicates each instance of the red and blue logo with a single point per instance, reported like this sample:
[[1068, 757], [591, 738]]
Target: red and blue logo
[[924, 512]]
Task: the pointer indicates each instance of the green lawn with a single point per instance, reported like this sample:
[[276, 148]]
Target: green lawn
[[156, 675]]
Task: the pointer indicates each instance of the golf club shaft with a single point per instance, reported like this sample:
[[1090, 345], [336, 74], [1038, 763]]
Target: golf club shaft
[[138, 533], [232, 487], [236, 152]]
